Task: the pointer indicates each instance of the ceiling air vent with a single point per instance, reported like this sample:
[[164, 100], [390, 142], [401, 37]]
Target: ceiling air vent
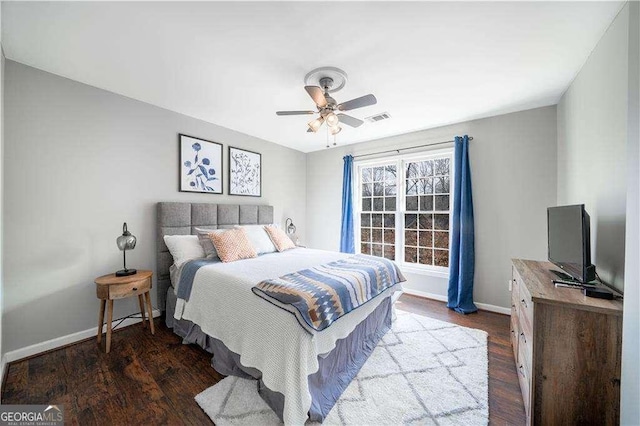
[[378, 117]]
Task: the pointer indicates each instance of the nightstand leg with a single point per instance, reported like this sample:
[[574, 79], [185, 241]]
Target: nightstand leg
[[144, 317], [109, 323], [150, 309], [101, 320]]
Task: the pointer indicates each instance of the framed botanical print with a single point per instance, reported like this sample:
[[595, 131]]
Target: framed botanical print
[[200, 165], [245, 172]]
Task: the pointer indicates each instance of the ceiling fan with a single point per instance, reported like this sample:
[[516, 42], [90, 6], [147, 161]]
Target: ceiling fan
[[329, 110]]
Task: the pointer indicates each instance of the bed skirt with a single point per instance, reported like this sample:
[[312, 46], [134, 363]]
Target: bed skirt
[[336, 369]]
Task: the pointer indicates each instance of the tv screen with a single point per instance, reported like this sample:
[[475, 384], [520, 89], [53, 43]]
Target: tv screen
[[569, 245]]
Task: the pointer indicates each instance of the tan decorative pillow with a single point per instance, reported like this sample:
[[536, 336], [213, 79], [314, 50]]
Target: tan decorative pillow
[[279, 238], [233, 245]]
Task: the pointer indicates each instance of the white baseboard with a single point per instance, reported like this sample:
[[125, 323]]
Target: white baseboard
[[63, 341], [441, 298]]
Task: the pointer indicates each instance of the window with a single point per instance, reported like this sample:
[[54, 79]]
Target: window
[[406, 217]]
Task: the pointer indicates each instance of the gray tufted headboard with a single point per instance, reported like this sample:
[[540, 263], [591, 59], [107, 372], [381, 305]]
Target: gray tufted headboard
[[183, 218]]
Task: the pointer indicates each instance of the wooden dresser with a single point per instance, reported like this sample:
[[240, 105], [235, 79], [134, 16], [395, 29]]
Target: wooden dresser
[[567, 348]]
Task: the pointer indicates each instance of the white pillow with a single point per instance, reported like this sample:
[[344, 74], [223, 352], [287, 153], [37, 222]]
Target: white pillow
[[259, 238], [184, 248], [206, 243]]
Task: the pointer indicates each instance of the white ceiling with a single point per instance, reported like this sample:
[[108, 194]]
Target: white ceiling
[[235, 64]]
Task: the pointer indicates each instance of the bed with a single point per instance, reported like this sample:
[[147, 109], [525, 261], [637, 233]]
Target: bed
[[300, 374]]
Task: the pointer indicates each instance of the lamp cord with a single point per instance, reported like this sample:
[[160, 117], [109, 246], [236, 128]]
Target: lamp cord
[[132, 316]]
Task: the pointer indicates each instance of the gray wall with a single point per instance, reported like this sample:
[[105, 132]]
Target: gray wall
[[79, 161], [513, 168], [630, 410], [598, 159], [592, 140]]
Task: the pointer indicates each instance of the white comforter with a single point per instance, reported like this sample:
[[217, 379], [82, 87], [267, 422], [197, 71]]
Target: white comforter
[[266, 337]]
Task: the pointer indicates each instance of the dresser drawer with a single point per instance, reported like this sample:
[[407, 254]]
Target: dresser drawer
[[120, 291], [524, 377], [515, 332]]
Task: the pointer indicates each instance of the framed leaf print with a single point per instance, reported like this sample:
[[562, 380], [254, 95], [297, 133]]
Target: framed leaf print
[[245, 172], [200, 165]]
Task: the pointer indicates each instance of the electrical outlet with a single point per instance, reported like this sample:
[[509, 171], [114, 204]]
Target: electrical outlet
[[510, 283]]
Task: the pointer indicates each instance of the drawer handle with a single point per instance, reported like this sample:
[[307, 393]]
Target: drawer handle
[[524, 303], [135, 289], [521, 370]]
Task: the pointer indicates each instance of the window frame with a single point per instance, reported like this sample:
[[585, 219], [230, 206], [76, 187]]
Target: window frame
[[400, 161]]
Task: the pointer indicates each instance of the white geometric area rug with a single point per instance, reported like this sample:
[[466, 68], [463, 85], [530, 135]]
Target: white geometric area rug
[[423, 372]]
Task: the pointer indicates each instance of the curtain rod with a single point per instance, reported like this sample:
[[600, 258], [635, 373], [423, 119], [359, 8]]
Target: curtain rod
[[404, 149]]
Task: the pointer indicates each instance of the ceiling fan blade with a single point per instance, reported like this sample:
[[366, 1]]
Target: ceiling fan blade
[[317, 95], [350, 121], [294, 112], [360, 102]]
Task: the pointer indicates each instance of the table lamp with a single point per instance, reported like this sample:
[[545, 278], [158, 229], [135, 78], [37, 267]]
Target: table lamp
[[125, 242], [290, 227]]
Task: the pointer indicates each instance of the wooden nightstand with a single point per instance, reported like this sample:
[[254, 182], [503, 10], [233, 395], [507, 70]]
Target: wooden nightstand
[[109, 287]]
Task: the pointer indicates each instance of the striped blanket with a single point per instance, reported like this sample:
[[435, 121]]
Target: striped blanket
[[320, 295]]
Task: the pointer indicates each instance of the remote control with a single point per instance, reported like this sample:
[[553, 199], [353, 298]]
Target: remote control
[[566, 285]]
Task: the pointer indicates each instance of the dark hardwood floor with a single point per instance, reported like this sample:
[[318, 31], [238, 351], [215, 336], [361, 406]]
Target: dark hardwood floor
[[153, 379]]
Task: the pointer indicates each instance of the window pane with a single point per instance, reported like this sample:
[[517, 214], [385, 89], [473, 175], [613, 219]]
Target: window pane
[[442, 166], [390, 203], [389, 220], [378, 189], [411, 238], [365, 248], [367, 189], [411, 254], [376, 220], [376, 235], [366, 174], [441, 185], [442, 202], [426, 256], [378, 174], [427, 168], [426, 221], [411, 221], [411, 187], [411, 170], [426, 239], [441, 240], [365, 234], [441, 257], [390, 173], [390, 236], [390, 188], [366, 204], [365, 219], [412, 203], [441, 221], [426, 203], [390, 251], [376, 250], [378, 204], [428, 186]]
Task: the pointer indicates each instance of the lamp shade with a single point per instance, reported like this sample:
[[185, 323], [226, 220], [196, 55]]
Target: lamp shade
[[126, 241], [290, 227]]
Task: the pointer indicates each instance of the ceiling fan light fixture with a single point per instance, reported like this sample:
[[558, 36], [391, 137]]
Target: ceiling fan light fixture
[[332, 119], [315, 124], [335, 130]]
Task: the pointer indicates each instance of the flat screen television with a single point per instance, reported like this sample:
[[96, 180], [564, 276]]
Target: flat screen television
[[570, 241]]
